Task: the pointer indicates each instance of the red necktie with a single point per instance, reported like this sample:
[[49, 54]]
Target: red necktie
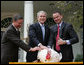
[[57, 46]]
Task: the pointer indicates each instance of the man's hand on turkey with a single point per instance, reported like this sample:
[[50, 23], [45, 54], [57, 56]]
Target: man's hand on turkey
[[43, 47], [34, 49]]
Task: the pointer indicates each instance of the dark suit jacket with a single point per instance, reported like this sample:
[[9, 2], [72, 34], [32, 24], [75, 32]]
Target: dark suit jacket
[[35, 37], [66, 33], [9, 45], [2, 32]]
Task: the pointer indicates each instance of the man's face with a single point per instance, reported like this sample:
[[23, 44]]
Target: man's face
[[42, 18], [57, 17], [18, 23]]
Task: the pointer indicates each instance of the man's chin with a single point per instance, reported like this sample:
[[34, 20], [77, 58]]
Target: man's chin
[[42, 22], [57, 22], [19, 27]]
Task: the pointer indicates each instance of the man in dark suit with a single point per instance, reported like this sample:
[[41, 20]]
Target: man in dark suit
[[2, 32], [63, 40], [11, 42], [38, 35]]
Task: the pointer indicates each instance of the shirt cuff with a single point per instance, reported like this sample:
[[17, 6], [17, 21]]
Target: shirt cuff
[[48, 46], [39, 44], [68, 42]]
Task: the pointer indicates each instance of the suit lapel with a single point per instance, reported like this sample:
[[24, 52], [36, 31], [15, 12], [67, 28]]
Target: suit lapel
[[62, 26], [45, 32], [16, 32], [55, 31], [14, 28], [62, 29], [55, 28], [40, 30]]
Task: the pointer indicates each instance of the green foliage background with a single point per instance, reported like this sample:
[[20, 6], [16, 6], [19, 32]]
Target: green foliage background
[[72, 13]]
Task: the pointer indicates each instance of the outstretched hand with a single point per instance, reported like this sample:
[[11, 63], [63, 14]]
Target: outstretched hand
[[43, 47], [34, 49]]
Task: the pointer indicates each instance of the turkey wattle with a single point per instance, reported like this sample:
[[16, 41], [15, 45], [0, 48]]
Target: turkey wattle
[[52, 56]]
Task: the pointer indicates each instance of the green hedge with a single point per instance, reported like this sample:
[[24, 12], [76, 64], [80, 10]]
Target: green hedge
[[79, 58]]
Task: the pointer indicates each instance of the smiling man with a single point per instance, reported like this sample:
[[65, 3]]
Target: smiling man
[[62, 37], [38, 35], [11, 42]]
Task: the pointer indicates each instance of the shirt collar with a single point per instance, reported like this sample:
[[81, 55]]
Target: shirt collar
[[15, 27], [41, 24], [60, 23]]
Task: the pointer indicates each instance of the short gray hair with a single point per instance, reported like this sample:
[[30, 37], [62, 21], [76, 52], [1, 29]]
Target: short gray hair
[[41, 12], [17, 17]]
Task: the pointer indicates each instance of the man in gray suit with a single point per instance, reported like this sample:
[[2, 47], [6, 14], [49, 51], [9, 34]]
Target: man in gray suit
[[11, 42]]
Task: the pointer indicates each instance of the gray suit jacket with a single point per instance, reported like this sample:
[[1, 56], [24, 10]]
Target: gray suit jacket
[[9, 45]]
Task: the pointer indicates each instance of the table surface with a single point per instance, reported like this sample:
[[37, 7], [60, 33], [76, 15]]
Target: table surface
[[45, 63]]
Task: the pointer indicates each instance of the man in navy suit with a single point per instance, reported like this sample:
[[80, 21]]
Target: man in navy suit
[[66, 37], [38, 35]]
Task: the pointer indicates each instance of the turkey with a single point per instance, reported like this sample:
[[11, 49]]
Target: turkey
[[52, 56]]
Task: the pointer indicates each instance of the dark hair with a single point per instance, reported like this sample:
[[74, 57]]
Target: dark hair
[[17, 17], [57, 11]]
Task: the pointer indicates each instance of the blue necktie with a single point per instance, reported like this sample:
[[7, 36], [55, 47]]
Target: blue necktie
[[43, 31]]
